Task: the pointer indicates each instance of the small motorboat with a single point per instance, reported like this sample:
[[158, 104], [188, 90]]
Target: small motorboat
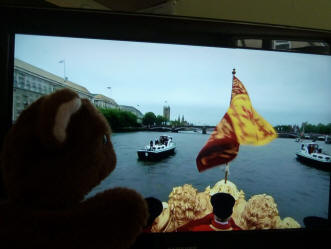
[[158, 149], [311, 153], [327, 139]]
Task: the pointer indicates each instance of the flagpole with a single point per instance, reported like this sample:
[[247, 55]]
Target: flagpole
[[240, 125], [226, 172], [227, 168], [64, 69]]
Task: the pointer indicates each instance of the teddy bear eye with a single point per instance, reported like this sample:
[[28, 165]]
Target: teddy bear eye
[[105, 139]]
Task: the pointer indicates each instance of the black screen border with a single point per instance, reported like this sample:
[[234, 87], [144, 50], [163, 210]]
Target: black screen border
[[160, 29]]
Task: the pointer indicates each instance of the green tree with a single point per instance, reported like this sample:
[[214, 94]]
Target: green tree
[[149, 119], [128, 119], [328, 128], [175, 123], [160, 120], [119, 119], [309, 128]]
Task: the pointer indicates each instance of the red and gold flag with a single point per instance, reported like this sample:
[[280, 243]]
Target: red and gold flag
[[241, 124]]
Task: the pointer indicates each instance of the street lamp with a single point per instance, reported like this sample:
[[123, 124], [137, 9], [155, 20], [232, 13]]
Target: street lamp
[[109, 88], [64, 69]]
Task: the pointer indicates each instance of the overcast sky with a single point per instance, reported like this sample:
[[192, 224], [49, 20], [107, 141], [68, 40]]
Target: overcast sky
[[285, 88]]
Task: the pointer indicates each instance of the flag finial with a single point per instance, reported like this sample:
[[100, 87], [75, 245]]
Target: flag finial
[[233, 72]]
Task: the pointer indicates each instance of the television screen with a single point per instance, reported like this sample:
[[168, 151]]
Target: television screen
[[164, 101]]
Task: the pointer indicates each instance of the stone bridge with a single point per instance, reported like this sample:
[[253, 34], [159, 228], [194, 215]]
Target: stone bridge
[[287, 134], [195, 128]]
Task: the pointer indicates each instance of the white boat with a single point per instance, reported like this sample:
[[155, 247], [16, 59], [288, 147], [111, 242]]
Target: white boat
[[327, 139], [314, 155], [321, 138], [158, 149]]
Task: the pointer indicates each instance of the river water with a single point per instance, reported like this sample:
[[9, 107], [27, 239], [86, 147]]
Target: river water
[[298, 190]]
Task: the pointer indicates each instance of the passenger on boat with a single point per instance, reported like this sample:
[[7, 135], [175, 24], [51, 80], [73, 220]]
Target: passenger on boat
[[310, 149], [219, 220], [314, 148]]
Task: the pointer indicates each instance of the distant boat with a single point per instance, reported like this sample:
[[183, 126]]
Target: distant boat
[[156, 150], [312, 154], [321, 138], [327, 139]]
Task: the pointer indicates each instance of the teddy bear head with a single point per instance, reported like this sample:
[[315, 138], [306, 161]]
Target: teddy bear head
[[56, 152]]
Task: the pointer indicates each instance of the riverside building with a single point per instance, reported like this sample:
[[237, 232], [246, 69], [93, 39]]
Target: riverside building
[[30, 83], [104, 102]]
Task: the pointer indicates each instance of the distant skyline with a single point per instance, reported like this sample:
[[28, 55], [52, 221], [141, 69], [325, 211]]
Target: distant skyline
[[195, 81]]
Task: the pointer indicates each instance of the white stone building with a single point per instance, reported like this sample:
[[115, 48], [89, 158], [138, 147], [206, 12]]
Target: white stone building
[[30, 83], [105, 102]]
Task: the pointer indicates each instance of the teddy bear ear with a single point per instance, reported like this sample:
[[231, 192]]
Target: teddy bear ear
[[62, 118]]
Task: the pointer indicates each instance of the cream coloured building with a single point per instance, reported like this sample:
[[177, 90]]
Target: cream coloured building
[[104, 102], [30, 83]]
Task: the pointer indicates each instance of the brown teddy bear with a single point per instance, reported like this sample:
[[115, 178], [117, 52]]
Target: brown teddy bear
[[55, 153]]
